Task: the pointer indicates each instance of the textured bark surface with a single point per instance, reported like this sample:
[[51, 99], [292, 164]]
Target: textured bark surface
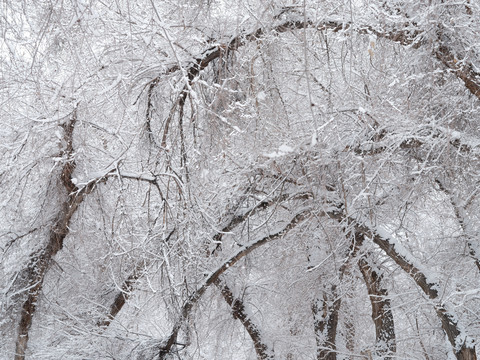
[[350, 337], [462, 69], [325, 322], [381, 311]]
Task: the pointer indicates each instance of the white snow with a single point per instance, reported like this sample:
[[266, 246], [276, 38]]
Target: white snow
[[261, 96]]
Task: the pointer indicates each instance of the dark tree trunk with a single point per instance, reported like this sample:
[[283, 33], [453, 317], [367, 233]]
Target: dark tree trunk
[[325, 321], [381, 311]]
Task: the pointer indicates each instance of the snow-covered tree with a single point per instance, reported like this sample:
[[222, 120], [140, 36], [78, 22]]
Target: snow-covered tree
[[239, 179]]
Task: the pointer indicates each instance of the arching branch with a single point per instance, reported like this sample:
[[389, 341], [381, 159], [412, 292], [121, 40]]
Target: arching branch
[[461, 68], [127, 287], [196, 296]]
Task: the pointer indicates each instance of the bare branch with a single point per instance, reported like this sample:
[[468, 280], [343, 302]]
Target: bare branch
[[125, 291], [459, 211]]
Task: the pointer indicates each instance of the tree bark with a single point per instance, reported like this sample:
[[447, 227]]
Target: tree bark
[[350, 337], [325, 322], [381, 311]]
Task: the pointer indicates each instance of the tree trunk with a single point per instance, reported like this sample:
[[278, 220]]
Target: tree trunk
[[40, 261], [381, 311], [350, 337], [463, 346], [325, 321]]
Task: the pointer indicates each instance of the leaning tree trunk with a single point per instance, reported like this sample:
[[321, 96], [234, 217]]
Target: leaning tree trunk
[[239, 312], [40, 261]]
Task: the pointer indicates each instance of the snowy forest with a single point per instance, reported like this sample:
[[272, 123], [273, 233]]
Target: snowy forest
[[240, 179]]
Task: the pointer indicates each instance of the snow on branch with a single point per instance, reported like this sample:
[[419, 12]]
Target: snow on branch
[[462, 344], [463, 143], [411, 38], [239, 312]]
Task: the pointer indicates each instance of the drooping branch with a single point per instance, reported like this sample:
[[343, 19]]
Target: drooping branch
[[239, 312], [192, 70], [381, 310], [150, 109], [237, 219], [196, 296]]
